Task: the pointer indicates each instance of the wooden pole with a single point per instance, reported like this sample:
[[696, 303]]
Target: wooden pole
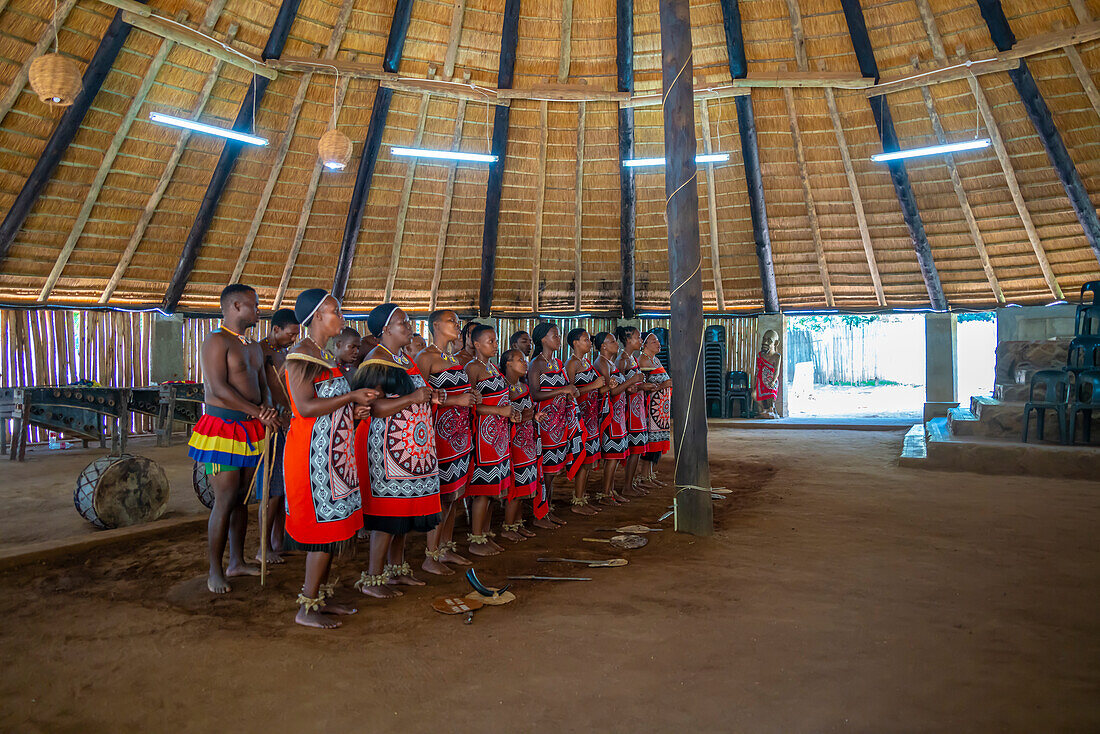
[[750, 153], [899, 177], [624, 61], [63, 134], [448, 198], [395, 44], [578, 218], [231, 150], [1041, 120], [694, 511], [509, 39], [540, 203], [712, 211]]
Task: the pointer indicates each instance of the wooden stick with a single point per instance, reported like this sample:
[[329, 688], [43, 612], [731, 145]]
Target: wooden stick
[[448, 197], [578, 203], [540, 202], [449, 59], [712, 210], [269, 456], [566, 40]]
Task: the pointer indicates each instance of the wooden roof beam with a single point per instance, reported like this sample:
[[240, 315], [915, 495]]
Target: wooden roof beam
[[122, 130], [101, 63], [566, 40], [445, 215], [509, 39], [624, 64], [19, 82], [540, 204], [231, 150], [884, 124], [578, 219], [457, 16], [166, 175], [391, 60], [1079, 68], [750, 153], [712, 211], [1043, 122]]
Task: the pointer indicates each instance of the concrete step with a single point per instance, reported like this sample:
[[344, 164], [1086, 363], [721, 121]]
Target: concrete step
[[997, 418], [1009, 456], [962, 422], [1012, 393], [937, 430], [914, 450]]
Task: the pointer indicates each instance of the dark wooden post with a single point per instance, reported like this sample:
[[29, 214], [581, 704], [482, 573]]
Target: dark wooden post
[[694, 510], [624, 59], [395, 44], [509, 39], [884, 124], [1032, 99], [750, 154], [66, 130], [231, 150]]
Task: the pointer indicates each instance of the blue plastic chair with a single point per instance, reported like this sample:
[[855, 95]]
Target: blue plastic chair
[[1092, 288], [1087, 320], [1084, 354], [1086, 398], [1056, 393]]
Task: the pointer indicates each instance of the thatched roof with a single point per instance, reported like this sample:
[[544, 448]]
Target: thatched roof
[[897, 35]]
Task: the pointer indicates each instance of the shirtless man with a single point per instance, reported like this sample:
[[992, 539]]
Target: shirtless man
[[229, 438], [284, 333], [521, 340]]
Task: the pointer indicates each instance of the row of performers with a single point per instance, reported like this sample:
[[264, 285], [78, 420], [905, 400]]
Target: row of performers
[[391, 446]]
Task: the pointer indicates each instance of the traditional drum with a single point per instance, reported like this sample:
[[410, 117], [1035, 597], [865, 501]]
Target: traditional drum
[[201, 481], [116, 491]]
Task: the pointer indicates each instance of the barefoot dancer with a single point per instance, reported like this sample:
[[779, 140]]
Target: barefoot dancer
[[658, 407], [492, 474], [284, 332], [395, 451], [229, 438], [588, 382], [614, 439], [526, 474], [636, 425], [322, 482], [562, 442], [453, 419]]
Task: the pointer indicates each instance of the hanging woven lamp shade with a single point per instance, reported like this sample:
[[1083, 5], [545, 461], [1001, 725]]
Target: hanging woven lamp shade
[[335, 149], [55, 79]]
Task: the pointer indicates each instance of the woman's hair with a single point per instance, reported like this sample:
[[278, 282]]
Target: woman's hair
[[574, 335], [466, 331], [479, 330], [390, 380], [506, 358], [622, 333], [539, 333], [436, 316], [599, 339]]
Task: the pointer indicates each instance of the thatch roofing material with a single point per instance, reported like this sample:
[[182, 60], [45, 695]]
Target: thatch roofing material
[[897, 33]]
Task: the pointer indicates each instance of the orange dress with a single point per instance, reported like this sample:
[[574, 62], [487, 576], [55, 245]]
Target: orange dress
[[323, 504]]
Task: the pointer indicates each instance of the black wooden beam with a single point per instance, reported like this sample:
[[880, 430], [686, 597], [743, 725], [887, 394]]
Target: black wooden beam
[[364, 175], [509, 39], [1041, 119], [694, 511], [624, 60], [750, 153], [63, 134], [884, 124], [231, 150]]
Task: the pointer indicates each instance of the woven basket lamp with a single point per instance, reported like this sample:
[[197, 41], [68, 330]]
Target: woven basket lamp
[[335, 149], [55, 79]]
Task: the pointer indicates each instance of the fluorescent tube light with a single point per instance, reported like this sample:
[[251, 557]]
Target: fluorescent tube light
[[208, 129], [932, 150], [447, 155], [335, 165], [709, 158]]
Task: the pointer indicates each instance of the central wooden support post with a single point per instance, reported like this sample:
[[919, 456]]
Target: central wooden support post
[[624, 59], [694, 510]]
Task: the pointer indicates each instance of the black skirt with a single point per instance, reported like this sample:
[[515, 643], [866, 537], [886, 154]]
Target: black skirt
[[402, 525]]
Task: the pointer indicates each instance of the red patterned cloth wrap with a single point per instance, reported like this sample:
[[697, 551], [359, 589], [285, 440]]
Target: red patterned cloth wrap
[[588, 411], [397, 461], [560, 433], [613, 435], [526, 468], [658, 411], [765, 374], [319, 470], [228, 438], [637, 426], [454, 443], [492, 474]]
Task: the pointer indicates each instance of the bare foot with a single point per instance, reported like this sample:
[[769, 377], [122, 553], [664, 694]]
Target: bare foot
[[405, 580], [380, 592], [273, 558], [316, 619], [525, 531], [555, 519], [483, 549], [633, 492], [619, 498], [608, 500], [216, 583], [433, 566], [583, 510], [496, 545], [452, 557], [513, 535], [544, 523], [243, 569], [338, 609]]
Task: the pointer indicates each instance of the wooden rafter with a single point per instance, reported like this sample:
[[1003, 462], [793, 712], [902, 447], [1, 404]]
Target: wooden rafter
[[448, 197], [186, 37], [566, 40], [307, 205], [19, 82], [1079, 68], [712, 210], [457, 16], [231, 150], [122, 130], [406, 194], [578, 219], [102, 62], [165, 177], [540, 203]]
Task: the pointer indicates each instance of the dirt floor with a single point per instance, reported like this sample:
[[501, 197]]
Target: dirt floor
[[839, 593]]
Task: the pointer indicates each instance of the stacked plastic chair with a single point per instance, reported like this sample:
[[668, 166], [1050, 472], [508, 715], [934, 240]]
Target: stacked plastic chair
[[714, 362], [662, 338]]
